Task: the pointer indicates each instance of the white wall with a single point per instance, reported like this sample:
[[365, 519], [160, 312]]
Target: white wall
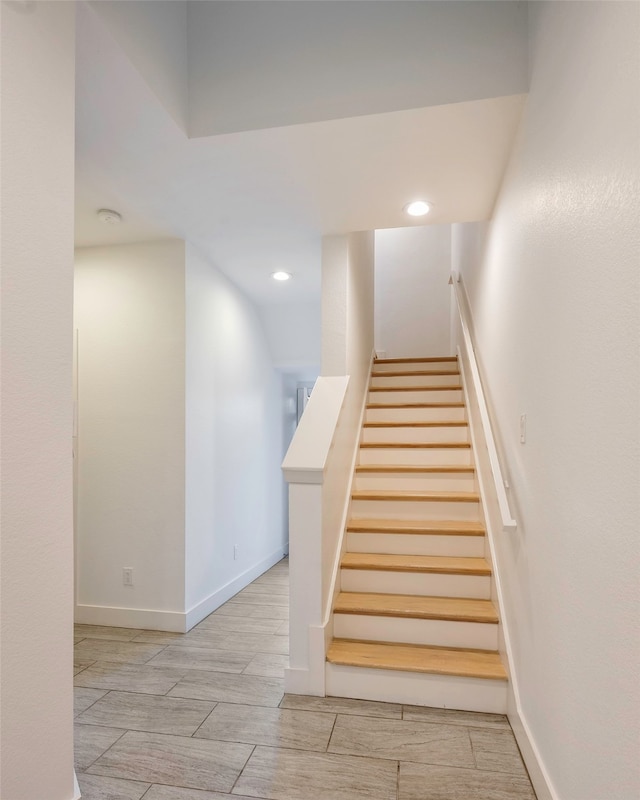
[[233, 441], [130, 317], [179, 437], [293, 334], [347, 304], [292, 381], [261, 65], [554, 297], [360, 306], [412, 316], [153, 35], [335, 276], [36, 565]]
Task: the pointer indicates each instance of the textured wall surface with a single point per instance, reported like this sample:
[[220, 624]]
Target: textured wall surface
[[554, 290], [36, 559]]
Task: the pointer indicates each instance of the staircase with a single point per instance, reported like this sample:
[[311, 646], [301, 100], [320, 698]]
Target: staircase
[[414, 622]]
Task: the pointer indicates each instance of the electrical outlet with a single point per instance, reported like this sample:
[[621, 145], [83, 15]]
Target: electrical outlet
[[235, 552], [127, 576], [523, 428]]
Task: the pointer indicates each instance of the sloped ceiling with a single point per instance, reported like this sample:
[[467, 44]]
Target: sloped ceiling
[[259, 200], [261, 64]]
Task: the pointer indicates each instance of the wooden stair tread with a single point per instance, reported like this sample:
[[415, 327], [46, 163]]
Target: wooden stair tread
[[447, 423], [417, 658], [436, 497], [454, 609], [427, 526], [452, 387], [428, 360], [416, 445], [441, 565], [450, 404], [411, 373], [415, 468]]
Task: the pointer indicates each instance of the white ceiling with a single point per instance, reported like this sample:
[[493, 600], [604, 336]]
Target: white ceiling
[[262, 64], [260, 200]]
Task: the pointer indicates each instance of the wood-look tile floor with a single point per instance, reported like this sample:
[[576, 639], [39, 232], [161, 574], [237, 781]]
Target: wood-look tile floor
[[203, 716]]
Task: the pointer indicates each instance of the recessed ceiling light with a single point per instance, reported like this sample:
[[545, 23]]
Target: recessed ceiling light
[[281, 276], [109, 217], [418, 208]]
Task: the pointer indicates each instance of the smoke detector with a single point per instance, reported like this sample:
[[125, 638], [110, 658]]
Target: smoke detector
[[109, 217]]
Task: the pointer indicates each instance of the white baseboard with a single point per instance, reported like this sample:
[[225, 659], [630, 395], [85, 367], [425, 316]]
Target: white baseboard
[[530, 754], [310, 679], [202, 609], [173, 621], [298, 681], [148, 619], [76, 788]]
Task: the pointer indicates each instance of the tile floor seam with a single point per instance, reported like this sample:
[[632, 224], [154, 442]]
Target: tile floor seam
[[452, 766], [335, 722], [80, 713], [473, 750], [243, 769], [88, 766], [128, 691], [86, 666], [162, 649], [94, 724], [166, 694], [215, 705], [289, 747]]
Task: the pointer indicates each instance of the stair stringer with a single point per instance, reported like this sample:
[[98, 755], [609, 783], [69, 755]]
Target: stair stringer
[[488, 501], [325, 634]]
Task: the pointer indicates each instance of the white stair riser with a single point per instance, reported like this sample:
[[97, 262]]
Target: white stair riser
[[416, 366], [416, 456], [418, 509], [437, 632], [419, 482], [416, 544], [415, 688], [417, 396], [444, 413], [441, 433], [416, 583], [416, 380]]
